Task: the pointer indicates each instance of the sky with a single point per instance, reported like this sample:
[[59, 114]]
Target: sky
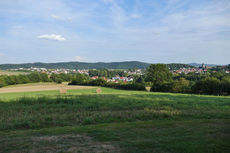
[[153, 31]]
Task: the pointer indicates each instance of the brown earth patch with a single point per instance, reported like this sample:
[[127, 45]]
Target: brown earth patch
[[41, 88], [69, 143]]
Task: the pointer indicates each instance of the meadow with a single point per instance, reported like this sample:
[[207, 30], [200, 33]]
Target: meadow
[[113, 121]]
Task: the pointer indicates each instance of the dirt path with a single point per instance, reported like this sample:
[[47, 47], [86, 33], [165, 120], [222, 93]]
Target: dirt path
[[71, 143], [41, 88]]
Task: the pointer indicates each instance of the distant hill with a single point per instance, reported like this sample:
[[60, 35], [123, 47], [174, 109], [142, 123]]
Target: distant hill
[[176, 66], [198, 65], [79, 65], [83, 65]]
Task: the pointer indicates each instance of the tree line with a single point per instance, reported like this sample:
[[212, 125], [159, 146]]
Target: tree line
[[6, 80], [83, 80], [34, 77], [162, 80], [79, 65], [107, 73]]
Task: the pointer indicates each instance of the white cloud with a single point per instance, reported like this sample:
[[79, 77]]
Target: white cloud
[[79, 59], [55, 16], [60, 18], [51, 37]]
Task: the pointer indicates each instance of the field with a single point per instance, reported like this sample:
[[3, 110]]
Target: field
[[113, 121], [34, 87]]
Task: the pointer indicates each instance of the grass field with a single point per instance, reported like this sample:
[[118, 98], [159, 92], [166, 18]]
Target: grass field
[[113, 121], [51, 89]]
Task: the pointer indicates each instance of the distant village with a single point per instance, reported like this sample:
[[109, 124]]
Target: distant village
[[198, 70], [201, 69], [84, 71]]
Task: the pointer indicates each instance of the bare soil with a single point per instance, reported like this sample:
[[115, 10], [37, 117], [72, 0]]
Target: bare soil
[[41, 87], [71, 143]]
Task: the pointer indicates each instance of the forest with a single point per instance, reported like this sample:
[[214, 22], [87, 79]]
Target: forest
[[83, 65]]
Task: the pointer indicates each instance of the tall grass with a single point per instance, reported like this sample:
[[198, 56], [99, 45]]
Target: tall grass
[[69, 110]]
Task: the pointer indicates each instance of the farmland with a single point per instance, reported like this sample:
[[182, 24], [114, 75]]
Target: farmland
[[113, 121]]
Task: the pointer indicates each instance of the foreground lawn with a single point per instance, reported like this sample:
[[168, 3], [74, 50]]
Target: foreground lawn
[[115, 121], [164, 136]]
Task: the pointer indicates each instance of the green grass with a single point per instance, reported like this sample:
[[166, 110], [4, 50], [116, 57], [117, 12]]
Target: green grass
[[113, 121], [184, 136], [32, 84], [54, 93]]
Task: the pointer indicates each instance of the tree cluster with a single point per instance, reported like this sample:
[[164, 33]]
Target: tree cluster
[[209, 83], [6, 80], [82, 80], [107, 73], [34, 77]]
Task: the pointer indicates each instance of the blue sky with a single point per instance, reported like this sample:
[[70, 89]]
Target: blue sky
[[154, 31]]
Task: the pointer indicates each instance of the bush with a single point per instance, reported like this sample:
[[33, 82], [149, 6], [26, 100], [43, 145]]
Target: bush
[[98, 82], [2, 82], [103, 83], [1, 85], [162, 87], [59, 81], [181, 86], [225, 86], [210, 86], [129, 86], [79, 79]]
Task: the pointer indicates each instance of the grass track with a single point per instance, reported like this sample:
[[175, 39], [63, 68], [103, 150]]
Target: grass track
[[190, 136]]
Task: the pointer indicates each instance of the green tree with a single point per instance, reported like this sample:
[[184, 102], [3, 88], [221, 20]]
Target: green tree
[[139, 79], [158, 74], [180, 86], [225, 85], [59, 81], [44, 77], [34, 77], [2, 82], [78, 80], [208, 85], [98, 82], [23, 78]]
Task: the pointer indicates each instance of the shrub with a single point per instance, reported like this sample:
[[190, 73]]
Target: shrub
[[103, 83], [130, 86], [162, 87], [225, 86], [181, 86], [59, 81], [78, 80], [2, 82], [1, 85], [98, 82], [207, 86]]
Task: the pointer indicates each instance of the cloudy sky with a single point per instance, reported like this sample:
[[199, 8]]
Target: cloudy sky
[[154, 31]]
